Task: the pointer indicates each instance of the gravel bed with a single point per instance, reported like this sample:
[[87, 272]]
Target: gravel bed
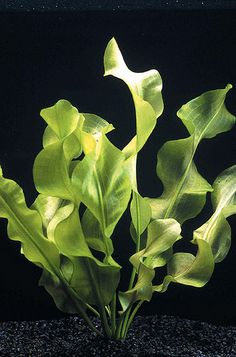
[[163, 336]]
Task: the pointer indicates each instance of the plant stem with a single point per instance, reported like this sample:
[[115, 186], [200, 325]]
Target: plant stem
[[96, 313], [119, 327], [133, 274], [125, 321], [104, 321], [132, 317], [113, 315]]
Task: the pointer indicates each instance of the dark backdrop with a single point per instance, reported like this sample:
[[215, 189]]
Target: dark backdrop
[[48, 56]]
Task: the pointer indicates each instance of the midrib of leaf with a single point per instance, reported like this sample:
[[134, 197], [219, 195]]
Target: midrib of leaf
[[138, 223], [65, 181], [215, 216], [182, 272], [30, 234], [101, 206], [180, 185]]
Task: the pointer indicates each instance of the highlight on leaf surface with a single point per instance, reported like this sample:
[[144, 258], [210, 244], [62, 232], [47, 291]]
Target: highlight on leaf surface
[[86, 184]]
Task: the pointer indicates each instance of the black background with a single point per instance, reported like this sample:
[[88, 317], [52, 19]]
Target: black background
[[48, 56]]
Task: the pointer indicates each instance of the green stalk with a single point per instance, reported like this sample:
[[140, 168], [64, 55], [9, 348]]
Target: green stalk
[[104, 321], [113, 315], [132, 317], [96, 313], [125, 322], [133, 274], [119, 327]]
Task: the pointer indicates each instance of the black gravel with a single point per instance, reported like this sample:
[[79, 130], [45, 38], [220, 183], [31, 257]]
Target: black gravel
[[163, 336]]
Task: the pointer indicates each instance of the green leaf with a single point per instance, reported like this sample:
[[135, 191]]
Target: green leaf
[[185, 268], [93, 234], [161, 236], [206, 116], [140, 213], [25, 225], [101, 183], [95, 282], [65, 230], [51, 170], [61, 144], [62, 118], [216, 231], [184, 189], [146, 92]]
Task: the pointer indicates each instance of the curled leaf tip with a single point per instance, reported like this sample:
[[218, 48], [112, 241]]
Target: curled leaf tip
[[229, 86]]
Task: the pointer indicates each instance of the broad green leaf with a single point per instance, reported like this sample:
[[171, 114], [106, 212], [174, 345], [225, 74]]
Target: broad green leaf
[[185, 268], [52, 166], [206, 116], [216, 231], [51, 170], [25, 225], [146, 92], [93, 234], [101, 183], [95, 282], [62, 118], [161, 235], [65, 230], [184, 189]]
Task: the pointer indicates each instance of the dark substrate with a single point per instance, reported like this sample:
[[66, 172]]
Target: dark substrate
[[149, 336]]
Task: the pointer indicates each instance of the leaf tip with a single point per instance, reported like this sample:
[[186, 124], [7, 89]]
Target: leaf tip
[[110, 56], [228, 87]]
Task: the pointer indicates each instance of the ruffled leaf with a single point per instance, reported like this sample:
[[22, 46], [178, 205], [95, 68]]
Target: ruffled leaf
[[25, 226], [216, 231], [146, 92], [101, 183], [185, 268], [184, 189]]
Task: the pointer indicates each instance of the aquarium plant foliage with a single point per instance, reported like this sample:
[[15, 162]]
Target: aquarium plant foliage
[[80, 166]]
